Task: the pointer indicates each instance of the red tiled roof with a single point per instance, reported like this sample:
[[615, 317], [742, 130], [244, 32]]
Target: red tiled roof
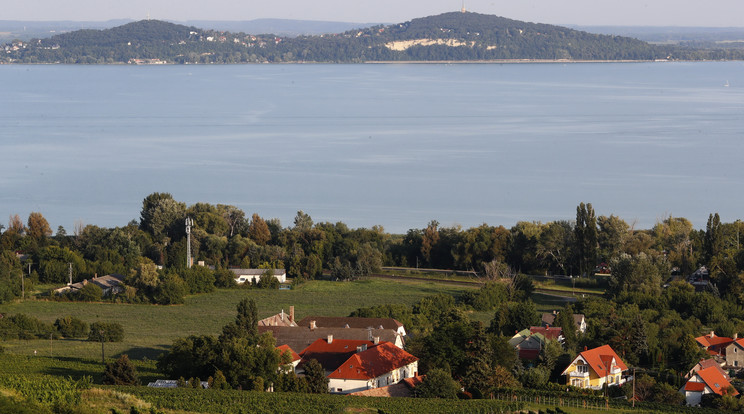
[[285, 348], [550, 332], [712, 340], [600, 359], [373, 362], [695, 386], [714, 380], [331, 356], [414, 382]]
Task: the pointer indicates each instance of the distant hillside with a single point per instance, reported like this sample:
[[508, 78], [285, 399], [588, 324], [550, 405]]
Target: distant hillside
[[280, 27], [446, 37]]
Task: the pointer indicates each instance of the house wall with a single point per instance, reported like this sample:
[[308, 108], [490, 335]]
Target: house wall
[[692, 398], [735, 356], [593, 380], [395, 376], [346, 386], [255, 278]]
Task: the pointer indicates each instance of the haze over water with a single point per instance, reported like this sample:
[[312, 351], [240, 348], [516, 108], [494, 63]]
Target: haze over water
[[395, 145]]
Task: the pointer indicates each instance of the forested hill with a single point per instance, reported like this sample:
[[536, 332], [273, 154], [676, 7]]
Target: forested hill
[[445, 37]]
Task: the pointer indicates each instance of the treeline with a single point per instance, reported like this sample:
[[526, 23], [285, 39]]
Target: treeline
[[223, 237], [481, 37]]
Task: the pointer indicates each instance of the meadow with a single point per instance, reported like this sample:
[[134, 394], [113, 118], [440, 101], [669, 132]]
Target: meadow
[[150, 329]]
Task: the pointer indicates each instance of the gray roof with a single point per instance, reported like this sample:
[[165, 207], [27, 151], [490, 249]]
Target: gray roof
[[256, 272], [104, 282], [347, 321], [299, 338]]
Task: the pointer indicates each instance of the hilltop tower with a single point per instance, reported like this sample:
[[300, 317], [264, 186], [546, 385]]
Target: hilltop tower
[[463, 10]]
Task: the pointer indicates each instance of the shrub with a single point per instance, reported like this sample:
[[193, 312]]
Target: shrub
[[120, 372], [438, 384], [90, 292], [71, 327]]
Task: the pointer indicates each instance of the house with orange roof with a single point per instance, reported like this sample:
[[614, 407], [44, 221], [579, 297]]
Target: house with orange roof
[[596, 367], [706, 381], [714, 345], [376, 367], [357, 365]]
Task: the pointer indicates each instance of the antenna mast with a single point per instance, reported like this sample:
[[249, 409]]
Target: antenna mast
[[189, 223]]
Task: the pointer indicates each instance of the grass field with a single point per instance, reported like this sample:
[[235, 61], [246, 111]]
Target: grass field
[[150, 329]]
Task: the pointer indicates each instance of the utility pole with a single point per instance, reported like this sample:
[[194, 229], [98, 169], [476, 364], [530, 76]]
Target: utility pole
[[634, 387], [103, 357]]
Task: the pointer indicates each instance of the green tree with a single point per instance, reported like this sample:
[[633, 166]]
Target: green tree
[[586, 238], [437, 384], [713, 237], [71, 327], [612, 235], [429, 239], [317, 382], [565, 321], [171, 290], [106, 332], [90, 292], [302, 222], [160, 215], [120, 372]]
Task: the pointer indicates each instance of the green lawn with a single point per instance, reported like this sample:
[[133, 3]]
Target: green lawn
[[150, 329]]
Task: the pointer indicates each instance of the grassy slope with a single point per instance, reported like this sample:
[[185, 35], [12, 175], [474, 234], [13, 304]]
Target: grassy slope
[[150, 329]]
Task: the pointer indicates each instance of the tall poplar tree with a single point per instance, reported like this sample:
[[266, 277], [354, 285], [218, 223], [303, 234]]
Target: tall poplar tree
[[586, 237]]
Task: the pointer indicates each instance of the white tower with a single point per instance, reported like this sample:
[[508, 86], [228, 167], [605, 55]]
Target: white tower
[[189, 223], [463, 7]]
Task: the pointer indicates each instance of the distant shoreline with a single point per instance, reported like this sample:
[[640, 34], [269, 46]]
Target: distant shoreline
[[387, 62]]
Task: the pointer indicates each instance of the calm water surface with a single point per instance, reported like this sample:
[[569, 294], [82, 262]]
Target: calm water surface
[[396, 145]]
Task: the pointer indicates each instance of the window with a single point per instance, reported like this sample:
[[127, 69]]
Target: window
[[582, 369], [736, 363]]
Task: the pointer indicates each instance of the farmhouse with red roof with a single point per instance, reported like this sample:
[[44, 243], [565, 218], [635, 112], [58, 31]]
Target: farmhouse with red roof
[[353, 365]]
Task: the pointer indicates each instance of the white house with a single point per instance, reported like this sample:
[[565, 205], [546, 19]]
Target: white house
[[379, 366], [254, 275], [706, 381]]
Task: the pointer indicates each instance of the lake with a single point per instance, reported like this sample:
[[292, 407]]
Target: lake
[[395, 145]]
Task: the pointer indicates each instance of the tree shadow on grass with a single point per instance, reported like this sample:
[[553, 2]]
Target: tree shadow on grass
[[141, 352]]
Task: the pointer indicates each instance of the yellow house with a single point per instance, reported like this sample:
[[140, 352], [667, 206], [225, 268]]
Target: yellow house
[[594, 368]]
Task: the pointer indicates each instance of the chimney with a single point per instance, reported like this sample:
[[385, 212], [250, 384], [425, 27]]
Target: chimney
[[555, 312], [95, 275], [330, 339], [586, 348], [736, 336], [312, 325], [291, 313], [376, 340], [362, 348], [712, 334], [282, 315]]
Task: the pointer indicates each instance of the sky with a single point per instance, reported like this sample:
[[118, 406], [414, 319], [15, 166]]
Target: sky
[[708, 13]]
